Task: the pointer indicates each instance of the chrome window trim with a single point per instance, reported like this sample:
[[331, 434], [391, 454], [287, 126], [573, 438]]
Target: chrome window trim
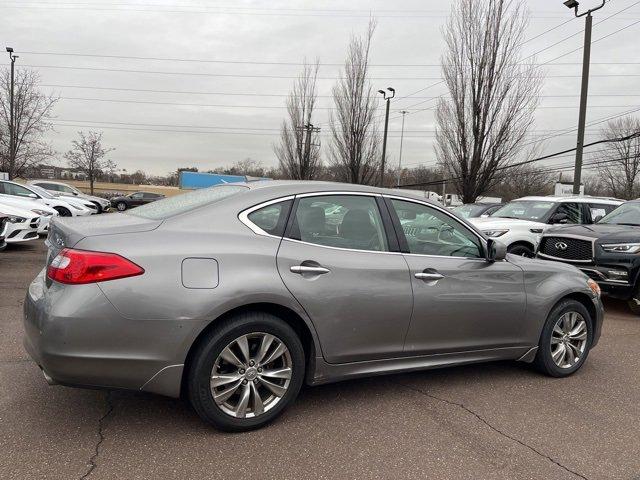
[[482, 241], [340, 248], [243, 216]]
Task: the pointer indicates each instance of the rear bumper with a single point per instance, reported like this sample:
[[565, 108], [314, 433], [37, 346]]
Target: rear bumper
[[77, 338]]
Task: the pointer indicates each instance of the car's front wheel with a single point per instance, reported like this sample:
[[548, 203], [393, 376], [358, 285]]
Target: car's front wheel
[[246, 371], [63, 212], [565, 340], [121, 206]]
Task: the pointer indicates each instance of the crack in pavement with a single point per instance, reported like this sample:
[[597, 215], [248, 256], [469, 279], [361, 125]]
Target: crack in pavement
[[93, 460], [495, 429]]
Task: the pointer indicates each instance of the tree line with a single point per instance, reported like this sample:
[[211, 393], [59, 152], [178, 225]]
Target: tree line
[[483, 122]]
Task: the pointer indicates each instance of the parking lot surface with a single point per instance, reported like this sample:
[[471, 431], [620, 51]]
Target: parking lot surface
[[491, 421]]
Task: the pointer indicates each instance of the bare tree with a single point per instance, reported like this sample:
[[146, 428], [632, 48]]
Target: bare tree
[[524, 180], [88, 155], [32, 110], [354, 149], [493, 93], [299, 149], [619, 162]]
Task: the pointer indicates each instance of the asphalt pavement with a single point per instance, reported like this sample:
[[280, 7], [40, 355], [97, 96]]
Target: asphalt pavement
[[492, 421]]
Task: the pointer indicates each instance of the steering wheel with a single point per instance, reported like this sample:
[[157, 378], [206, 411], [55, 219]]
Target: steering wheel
[[445, 228]]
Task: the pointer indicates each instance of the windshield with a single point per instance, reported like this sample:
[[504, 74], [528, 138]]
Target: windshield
[[525, 210], [170, 206], [469, 211], [626, 214]]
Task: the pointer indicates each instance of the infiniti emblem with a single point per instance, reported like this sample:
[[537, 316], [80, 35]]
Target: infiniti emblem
[[561, 245]]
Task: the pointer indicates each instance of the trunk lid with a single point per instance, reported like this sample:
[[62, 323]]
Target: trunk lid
[[66, 232]]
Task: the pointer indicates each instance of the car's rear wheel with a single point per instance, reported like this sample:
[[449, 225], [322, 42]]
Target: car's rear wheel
[[246, 371], [634, 302], [63, 212], [521, 251], [565, 340], [121, 206]]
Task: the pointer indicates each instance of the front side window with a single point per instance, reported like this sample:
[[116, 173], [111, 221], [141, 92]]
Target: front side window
[[17, 190], [431, 232], [342, 221], [573, 211], [599, 210], [136, 196], [272, 218]]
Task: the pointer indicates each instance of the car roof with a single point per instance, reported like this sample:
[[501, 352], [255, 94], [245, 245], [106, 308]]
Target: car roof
[[577, 198], [49, 181], [297, 187]]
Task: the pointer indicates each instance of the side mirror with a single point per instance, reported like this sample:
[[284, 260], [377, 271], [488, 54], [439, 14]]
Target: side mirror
[[558, 218], [496, 250], [598, 218], [32, 195]]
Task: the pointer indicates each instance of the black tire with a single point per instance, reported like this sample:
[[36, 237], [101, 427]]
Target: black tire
[[521, 251], [210, 347], [63, 212], [98, 207], [121, 206], [543, 361]]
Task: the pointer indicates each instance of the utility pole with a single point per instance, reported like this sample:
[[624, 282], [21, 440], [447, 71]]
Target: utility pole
[[386, 129], [11, 114], [584, 90], [308, 131], [403, 112]]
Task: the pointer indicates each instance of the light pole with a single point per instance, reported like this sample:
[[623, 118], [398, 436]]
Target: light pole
[[403, 112], [386, 127], [11, 113], [586, 58]]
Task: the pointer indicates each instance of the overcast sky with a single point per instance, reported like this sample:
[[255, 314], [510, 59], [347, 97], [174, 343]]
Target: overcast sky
[[230, 109]]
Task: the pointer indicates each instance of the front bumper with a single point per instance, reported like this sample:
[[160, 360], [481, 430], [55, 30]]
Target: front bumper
[[21, 232], [78, 338]]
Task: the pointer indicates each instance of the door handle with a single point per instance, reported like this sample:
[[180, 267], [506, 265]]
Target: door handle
[[429, 276], [301, 269]]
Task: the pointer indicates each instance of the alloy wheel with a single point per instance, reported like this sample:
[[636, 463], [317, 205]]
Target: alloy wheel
[[251, 375], [568, 339]]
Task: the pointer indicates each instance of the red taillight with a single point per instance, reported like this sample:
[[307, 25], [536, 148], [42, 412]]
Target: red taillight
[[83, 266]]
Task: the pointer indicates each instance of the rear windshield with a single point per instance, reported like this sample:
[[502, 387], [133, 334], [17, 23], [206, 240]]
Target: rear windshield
[[170, 206]]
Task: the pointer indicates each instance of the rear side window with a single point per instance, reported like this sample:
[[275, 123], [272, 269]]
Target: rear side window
[[343, 221], [271, 219], [599, 210], [168, 207]]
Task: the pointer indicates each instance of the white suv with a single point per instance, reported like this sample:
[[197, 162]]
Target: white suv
[[520, 223]]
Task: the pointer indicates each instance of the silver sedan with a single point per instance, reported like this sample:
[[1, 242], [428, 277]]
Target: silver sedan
[[236, 295]]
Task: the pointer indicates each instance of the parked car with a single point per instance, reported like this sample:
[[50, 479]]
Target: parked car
[[520, 222], [3, 230], [43, 212], [59, 188], [81, 202], [607, 251], [477, 210], [22, 225], [136, 199], [65, 208], [237, 307]]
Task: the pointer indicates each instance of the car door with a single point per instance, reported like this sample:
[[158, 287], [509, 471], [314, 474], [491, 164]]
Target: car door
[[337, 259], [462, 302]]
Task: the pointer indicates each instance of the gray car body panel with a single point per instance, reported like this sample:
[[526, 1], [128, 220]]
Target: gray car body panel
[[136, 332]]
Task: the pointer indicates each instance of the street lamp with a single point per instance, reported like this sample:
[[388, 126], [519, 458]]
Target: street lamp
[[586, 58], [403, 112], [386, 128], [12, 57]]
